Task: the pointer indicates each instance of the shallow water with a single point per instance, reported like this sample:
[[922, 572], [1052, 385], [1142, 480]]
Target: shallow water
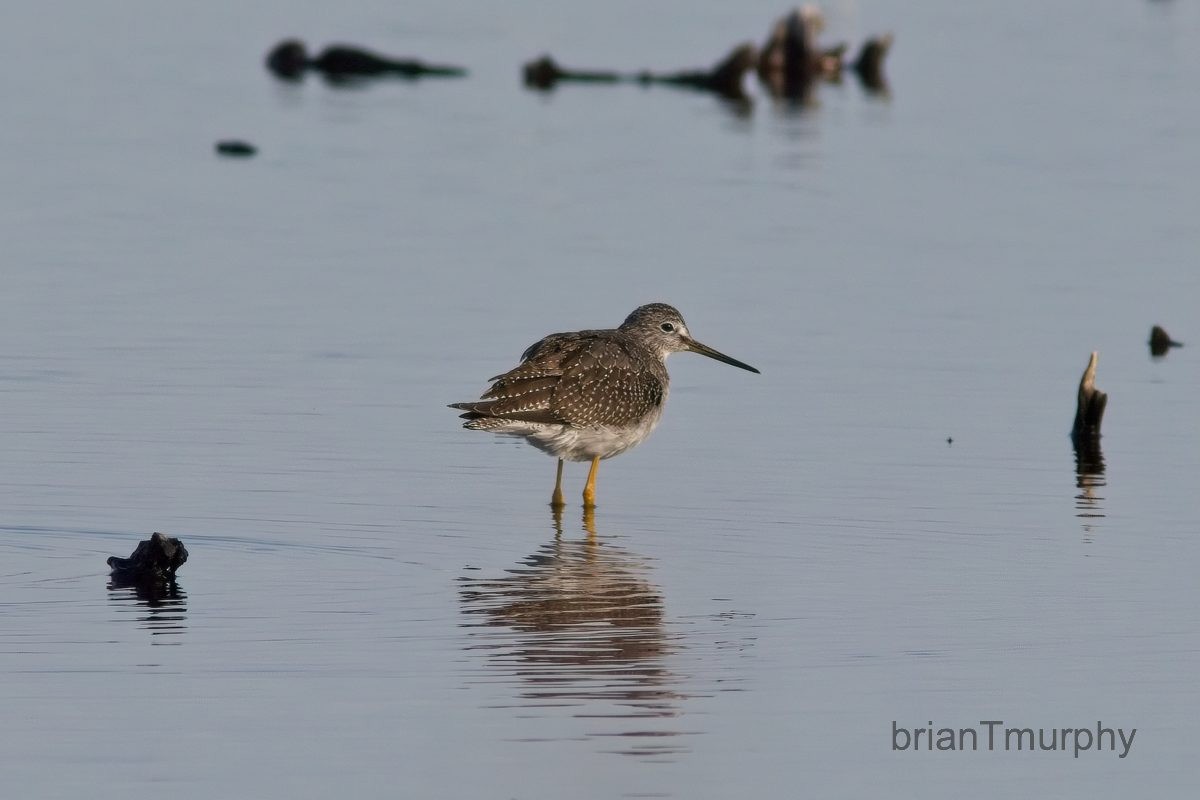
[[888, 524]]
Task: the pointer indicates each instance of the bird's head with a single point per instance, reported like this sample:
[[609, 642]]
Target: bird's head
[[662, 327]]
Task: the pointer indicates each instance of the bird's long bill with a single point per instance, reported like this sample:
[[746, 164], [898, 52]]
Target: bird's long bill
[[705, 350]]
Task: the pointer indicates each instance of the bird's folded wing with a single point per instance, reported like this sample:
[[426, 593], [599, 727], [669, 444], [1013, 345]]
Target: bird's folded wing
[[603, 384], [516, 397], [571, 379]]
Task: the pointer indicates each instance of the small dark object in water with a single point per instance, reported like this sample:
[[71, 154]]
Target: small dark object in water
[[153, 561], [869, 64], [288, 59], [235, 148], [339, 63], [352, 61], [949, 440], [1089, 411], [1161, 341]]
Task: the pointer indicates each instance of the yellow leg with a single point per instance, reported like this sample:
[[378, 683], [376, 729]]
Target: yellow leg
[[556, 499], [589, 488]]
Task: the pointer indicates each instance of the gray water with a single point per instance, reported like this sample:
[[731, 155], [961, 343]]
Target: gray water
[[886, 525]]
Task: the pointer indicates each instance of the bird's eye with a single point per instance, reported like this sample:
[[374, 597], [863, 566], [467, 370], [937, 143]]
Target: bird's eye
[[667, 327]]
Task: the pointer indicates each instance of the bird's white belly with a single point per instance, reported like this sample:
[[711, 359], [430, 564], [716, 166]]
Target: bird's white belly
[[582, 443]]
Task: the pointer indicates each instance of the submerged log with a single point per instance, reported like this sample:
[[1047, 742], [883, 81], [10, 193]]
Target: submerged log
[[789, 64], [346, 61], [289, 60], [235, 148], [1161, 341], [544, 73], [1089, 411], [725, 79], [155, 560]]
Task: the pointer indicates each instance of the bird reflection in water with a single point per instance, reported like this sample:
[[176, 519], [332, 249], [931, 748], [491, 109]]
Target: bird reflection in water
[[1089, 479], [162, 607], [578, 626]]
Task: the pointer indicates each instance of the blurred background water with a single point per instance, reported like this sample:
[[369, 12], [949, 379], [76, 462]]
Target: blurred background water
[[887, 524]]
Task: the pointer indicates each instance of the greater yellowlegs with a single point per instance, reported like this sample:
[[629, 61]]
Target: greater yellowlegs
[[589, 395]]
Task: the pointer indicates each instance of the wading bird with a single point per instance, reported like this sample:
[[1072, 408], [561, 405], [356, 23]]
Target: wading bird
[[589, 395]]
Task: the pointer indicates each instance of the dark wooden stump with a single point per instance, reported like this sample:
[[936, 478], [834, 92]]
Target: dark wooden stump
[[1089, 411]]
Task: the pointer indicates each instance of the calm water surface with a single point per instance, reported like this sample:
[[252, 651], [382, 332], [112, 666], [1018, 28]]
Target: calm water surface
[[888, 524]]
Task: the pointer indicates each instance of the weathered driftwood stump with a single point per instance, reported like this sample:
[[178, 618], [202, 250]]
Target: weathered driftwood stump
[[1161, 341], [153, 561], [1089, 411]]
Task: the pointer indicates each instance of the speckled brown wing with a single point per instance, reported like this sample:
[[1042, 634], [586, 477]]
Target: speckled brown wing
[[524, 393], [574, 379], [605, 383]]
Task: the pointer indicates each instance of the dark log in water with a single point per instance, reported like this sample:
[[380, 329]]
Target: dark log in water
[[725, 79], [235, 148], [1089, 411], [289, 59], [153, 561], [544, 73]]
